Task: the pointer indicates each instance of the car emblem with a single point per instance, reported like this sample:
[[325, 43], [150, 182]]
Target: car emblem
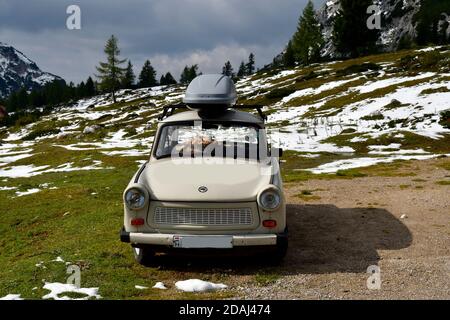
[[203, 189]]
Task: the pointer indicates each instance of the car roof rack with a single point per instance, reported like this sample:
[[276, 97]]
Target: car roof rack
[[170, 109], [258, 108]]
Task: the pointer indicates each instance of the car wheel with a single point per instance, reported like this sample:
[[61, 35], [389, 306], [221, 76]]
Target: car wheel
[[143, 256], [280, 251]]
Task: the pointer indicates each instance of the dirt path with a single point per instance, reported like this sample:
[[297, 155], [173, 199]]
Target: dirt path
[[357, 223]]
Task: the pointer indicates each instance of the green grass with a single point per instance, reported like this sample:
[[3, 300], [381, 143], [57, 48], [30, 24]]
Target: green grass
[[436, 90], [443, 183], [410, 140], [266, 279], [81, 228]]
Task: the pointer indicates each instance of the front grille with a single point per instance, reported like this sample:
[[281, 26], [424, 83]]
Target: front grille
[[203, 216]]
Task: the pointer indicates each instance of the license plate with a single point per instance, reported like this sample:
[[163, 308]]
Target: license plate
[[193, 242]]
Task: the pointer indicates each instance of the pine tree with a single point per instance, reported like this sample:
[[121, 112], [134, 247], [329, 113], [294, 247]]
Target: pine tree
[[350, 33], [81, 90], [147, 77], [111, 72], [250, 66], [169, 79], [22, 99], [128, 78], [307, 40], [193, 72], [184, 75], [227, 70], [12, 103], [90, 87], [189, 74], [289, 56], [162, 81], [36, 99], [242, 70]]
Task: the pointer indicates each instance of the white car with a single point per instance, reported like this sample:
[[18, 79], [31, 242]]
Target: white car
[[211, 182]]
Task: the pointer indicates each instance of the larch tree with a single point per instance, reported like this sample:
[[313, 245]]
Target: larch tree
[[111, 72]]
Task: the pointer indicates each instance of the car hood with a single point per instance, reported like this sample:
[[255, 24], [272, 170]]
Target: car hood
[[239, 181]]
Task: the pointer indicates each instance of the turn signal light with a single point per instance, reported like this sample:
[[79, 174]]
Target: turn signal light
[[269, 224], [137, 222]]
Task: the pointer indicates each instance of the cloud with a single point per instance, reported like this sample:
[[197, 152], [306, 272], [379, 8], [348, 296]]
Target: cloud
[[171, 33]]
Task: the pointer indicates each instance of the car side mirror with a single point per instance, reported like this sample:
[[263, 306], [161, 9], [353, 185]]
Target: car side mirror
[[276, 152]]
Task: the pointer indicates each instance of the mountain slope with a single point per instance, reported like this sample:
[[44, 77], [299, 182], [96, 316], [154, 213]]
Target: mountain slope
[[334, 116], [17, 71]]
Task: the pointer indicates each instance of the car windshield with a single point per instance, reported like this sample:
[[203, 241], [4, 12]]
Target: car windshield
[[209, 139]]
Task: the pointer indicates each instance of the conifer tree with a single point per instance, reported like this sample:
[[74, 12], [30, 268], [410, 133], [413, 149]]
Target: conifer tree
[[162, 81], [227, 69], [307, 41], [242, 70], [90, 87], [169, 79], [250, 66], [351, 36], [289, 56], [110, 72], [147, 77], [128, 78], [189, 74]]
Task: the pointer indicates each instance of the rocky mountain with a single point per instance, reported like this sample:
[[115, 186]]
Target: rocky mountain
[[398, 19], [17, 71]]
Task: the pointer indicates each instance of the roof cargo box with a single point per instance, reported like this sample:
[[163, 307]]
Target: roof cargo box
[[211, 91]]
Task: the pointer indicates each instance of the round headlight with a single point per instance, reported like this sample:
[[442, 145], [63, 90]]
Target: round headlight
[[270, 199], [135, 199]]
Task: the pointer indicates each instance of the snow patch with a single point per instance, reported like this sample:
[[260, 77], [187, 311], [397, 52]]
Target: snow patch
[[56, 289], [196, 285], [159, 285], [335, 166], [11, 297], [28, 192], [140, 287]]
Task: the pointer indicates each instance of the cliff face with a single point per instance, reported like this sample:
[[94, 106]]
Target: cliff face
[[397, 22], [17, 71]]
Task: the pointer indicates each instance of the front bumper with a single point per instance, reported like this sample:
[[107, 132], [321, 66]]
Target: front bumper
[[159, 239]]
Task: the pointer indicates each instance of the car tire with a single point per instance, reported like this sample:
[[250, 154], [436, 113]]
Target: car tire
[[143, 256], [280, 251]]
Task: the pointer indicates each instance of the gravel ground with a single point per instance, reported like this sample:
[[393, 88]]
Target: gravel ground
[[400, 224]]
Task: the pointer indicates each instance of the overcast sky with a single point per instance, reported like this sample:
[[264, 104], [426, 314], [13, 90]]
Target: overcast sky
[[171, 33]]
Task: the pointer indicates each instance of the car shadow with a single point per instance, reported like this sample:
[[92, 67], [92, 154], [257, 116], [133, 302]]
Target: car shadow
[[322, 239]]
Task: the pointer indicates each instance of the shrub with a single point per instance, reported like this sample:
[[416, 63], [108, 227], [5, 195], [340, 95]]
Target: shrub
[[445, 119], [436, 90], [40, 133], [374, 116], [358, 68], [311, 75], [394, 104], [280, 93]]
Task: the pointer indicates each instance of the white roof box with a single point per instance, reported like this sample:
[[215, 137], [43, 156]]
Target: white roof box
[[210, 89]]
